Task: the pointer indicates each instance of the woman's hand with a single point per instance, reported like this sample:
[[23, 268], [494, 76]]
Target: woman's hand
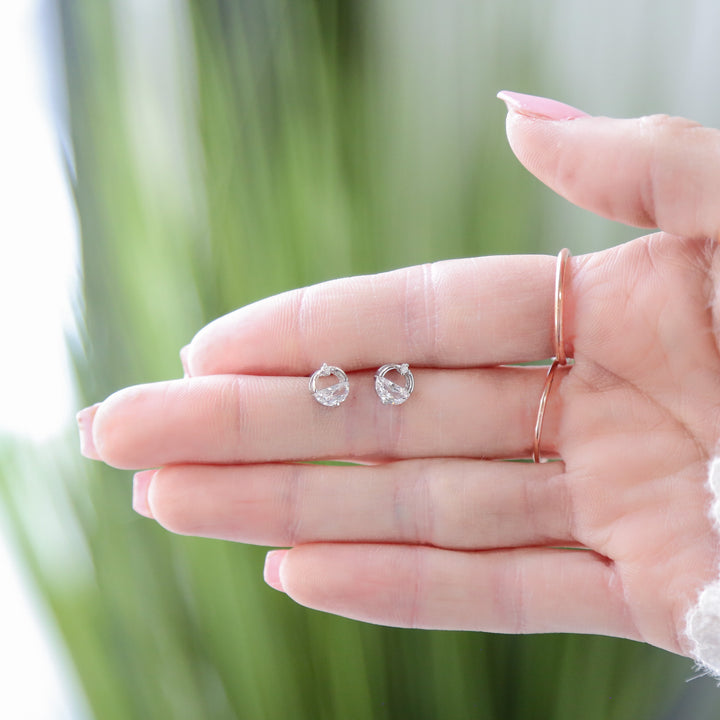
[[433, 531]]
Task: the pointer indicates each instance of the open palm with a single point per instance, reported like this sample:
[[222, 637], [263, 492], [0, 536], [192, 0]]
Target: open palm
[[431, 530]]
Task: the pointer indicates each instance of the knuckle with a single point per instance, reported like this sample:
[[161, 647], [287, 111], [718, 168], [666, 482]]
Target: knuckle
[[421, 311], [665, 138], [292, 490], [667, 124]]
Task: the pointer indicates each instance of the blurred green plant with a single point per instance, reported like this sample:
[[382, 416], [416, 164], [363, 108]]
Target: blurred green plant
[[224, 151]]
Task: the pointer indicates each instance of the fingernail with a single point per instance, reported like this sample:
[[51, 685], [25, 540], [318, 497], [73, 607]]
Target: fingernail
[[539, 107], [85, 425], [141, 485], [184, 352], [271, 572]]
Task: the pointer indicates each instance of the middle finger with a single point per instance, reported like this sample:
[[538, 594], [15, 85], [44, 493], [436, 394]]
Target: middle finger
[[479, 413]]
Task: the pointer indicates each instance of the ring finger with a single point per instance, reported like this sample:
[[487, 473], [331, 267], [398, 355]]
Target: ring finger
[[457, 503], [481, 413]]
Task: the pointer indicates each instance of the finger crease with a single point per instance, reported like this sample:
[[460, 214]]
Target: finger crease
[[292, 501]]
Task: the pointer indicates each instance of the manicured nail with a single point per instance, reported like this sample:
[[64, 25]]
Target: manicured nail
[[539, 107], [141, 485], [271, 573], [85, 427], [184, 352]]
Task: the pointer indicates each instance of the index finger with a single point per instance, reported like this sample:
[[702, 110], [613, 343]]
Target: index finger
[[456, 313]]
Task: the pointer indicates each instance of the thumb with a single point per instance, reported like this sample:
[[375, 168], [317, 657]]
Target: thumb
[[654, 171]]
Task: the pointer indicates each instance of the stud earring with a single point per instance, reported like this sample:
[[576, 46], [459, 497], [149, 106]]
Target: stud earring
[[333, 395], [391, 393]]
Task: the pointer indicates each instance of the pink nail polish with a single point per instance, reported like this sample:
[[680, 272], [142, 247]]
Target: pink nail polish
[[85, 427], [184, 352], [539, 107], [141, 485], [271, 573]]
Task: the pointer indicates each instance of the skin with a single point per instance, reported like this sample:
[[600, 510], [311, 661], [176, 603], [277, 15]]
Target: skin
[[431, 530]]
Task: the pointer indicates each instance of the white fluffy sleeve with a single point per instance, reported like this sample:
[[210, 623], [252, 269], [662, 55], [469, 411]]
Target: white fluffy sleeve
[[703, 619]]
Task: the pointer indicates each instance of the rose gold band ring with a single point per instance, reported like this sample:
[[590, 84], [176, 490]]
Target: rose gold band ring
[[560, 268], [560, 358]]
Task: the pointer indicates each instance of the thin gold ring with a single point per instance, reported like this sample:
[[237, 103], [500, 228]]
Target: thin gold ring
[[541, 409], [560, 352], [560, 267]]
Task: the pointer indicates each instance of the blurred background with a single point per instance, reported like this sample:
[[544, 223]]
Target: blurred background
[[218, 151]]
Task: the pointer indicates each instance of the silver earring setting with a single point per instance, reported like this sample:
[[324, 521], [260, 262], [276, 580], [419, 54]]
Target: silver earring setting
[[391, 393], [333, 395]]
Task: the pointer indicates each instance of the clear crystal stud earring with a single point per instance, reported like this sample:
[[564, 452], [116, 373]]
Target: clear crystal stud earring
[[333, 395], [389, 392]]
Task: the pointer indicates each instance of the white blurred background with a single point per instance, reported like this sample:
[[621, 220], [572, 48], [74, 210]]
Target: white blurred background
[[38, 279]]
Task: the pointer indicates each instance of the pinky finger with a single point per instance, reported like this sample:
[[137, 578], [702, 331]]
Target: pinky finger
[[504, 591]]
